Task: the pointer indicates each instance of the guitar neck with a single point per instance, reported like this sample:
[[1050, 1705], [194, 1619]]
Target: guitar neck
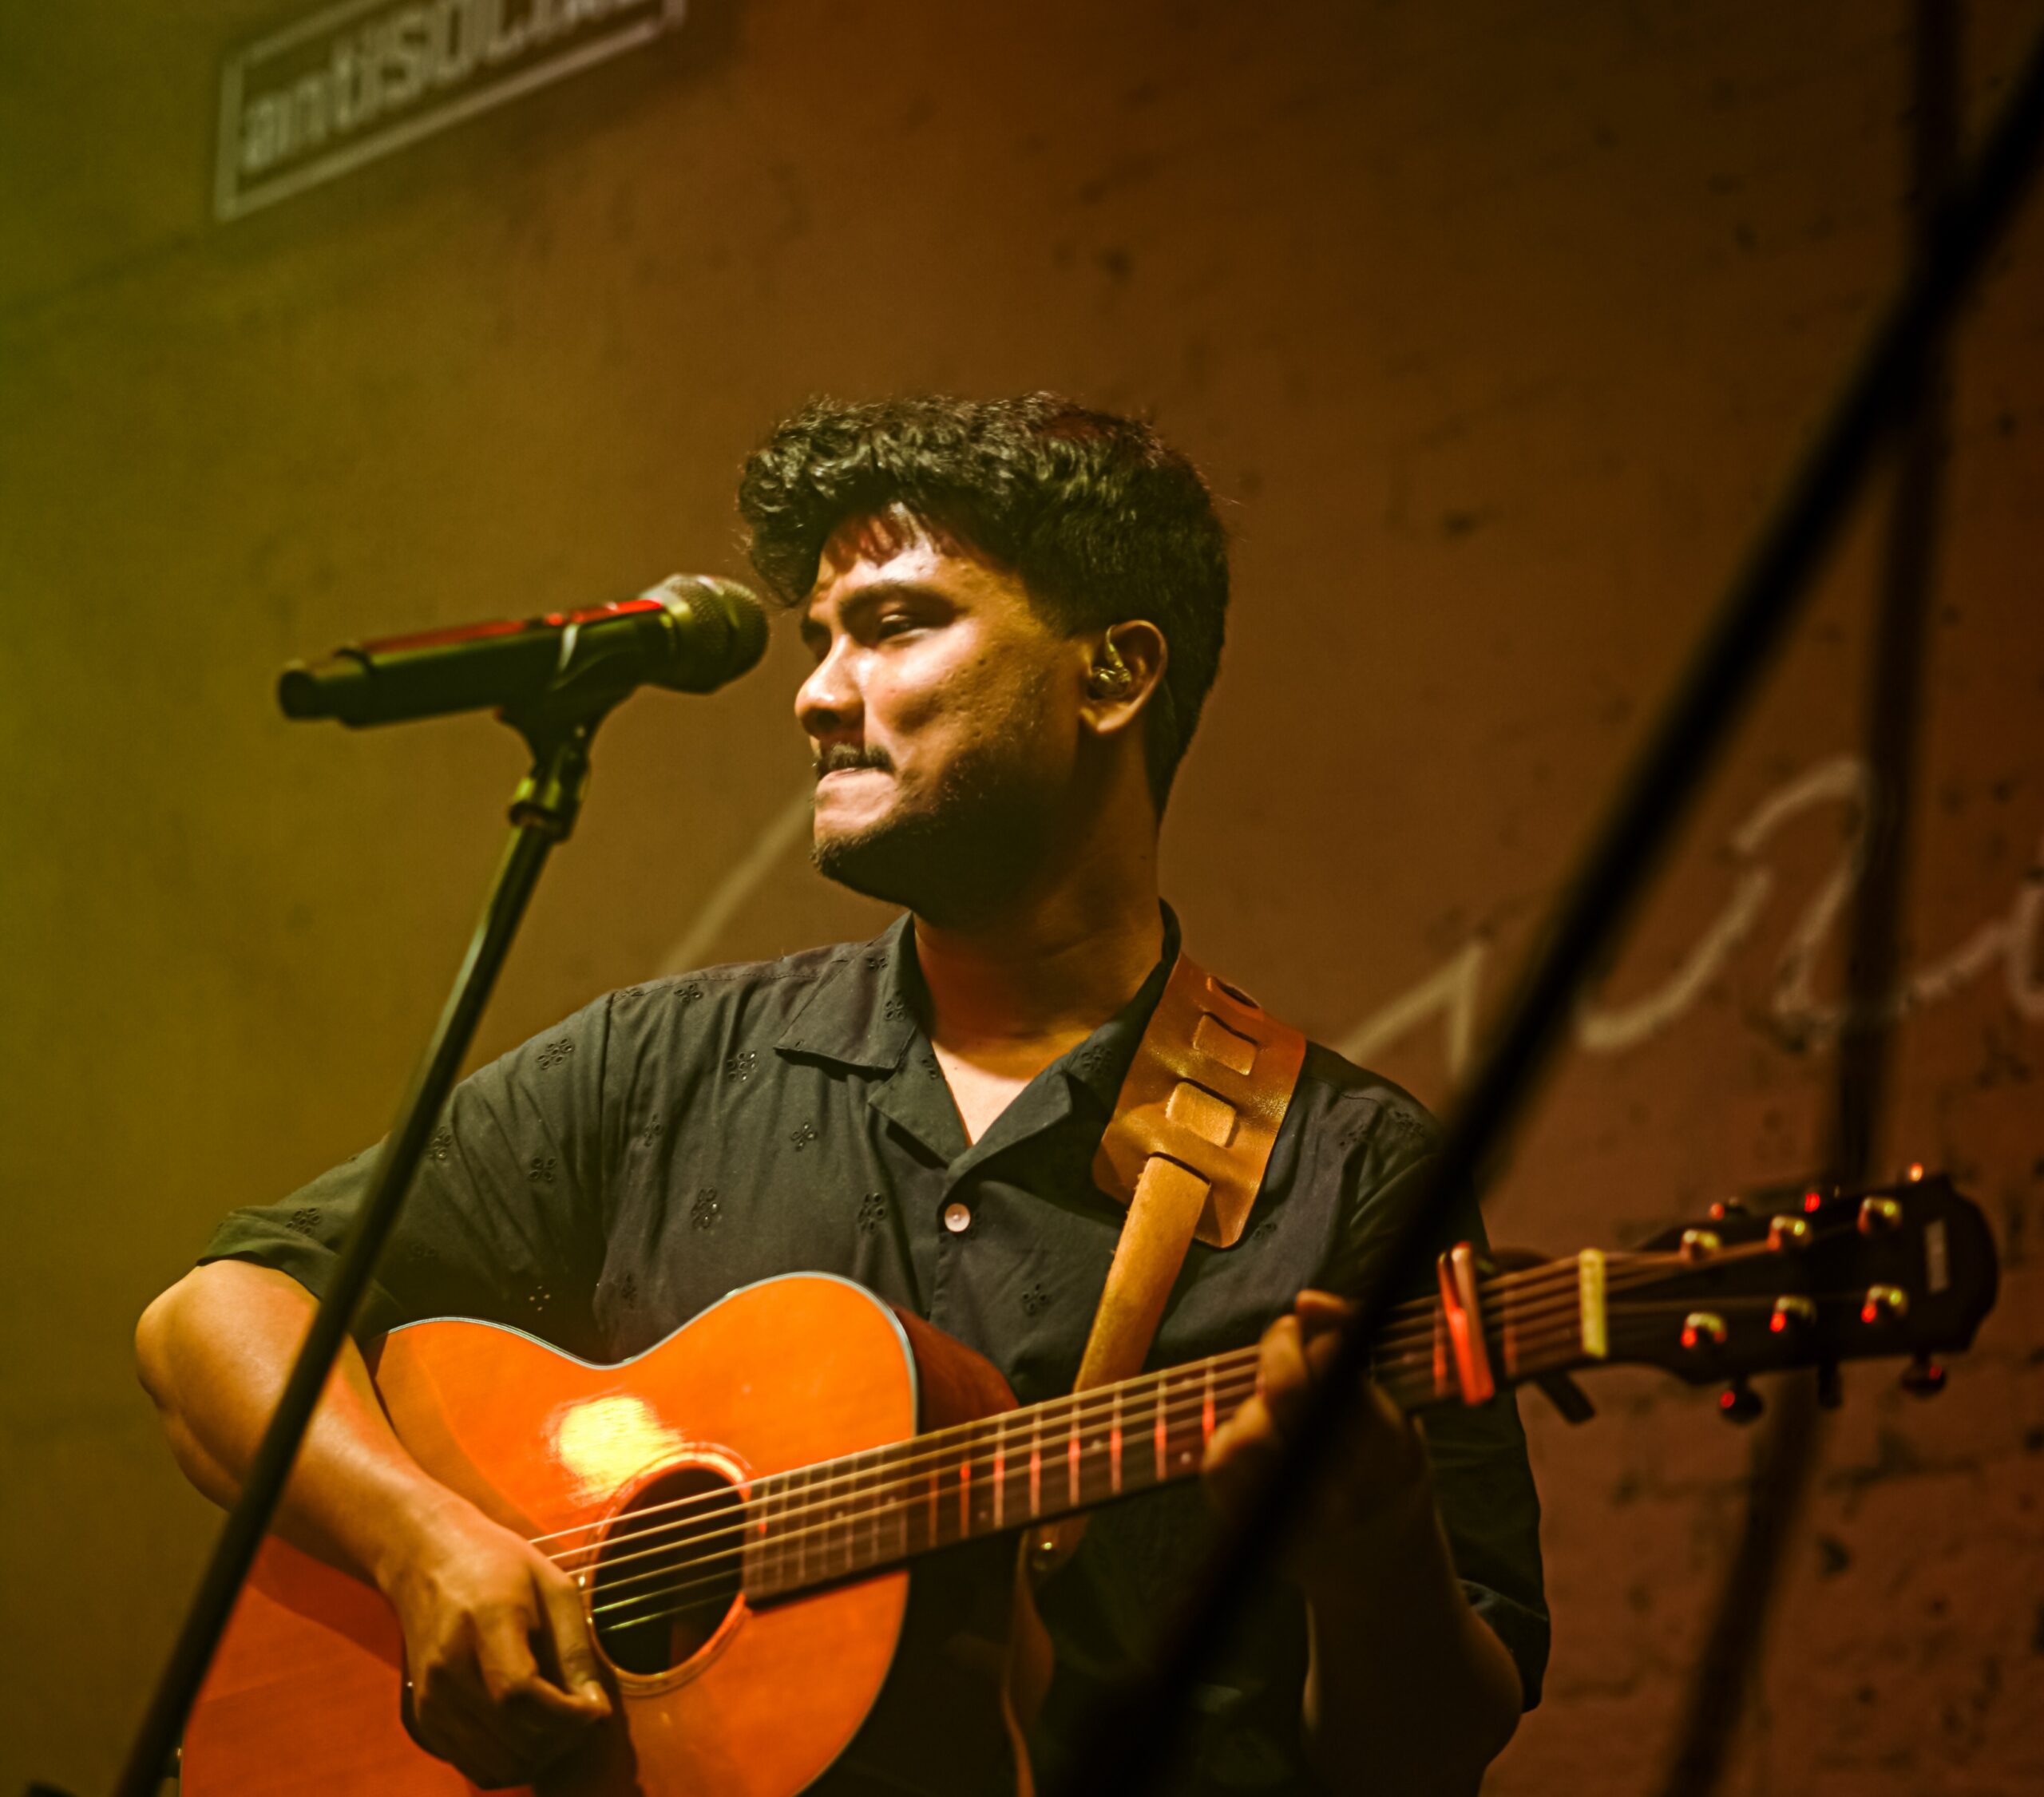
[[1901, 1268], [840, 1519]]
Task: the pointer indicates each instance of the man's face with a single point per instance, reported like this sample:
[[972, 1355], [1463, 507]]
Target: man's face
[[945, 714]]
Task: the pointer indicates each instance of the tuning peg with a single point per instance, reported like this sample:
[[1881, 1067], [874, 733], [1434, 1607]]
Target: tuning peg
[[1878, 1214], [1699, 1245], [1785, 1232], [1703, 1330], [1723, 1207], [1740, 1403], [1794, 1312], [1923, 1377], [1883, 1303], [1831, 1388]]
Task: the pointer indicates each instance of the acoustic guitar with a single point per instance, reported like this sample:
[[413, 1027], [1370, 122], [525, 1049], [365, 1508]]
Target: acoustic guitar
[[792, 1521]]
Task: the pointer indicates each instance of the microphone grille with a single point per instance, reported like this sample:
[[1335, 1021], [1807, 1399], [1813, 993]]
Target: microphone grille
[[724, 629]]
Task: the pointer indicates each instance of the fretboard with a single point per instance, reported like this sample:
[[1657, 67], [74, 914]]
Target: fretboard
[[842, 1517]]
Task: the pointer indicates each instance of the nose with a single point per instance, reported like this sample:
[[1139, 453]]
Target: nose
[[827, 703]]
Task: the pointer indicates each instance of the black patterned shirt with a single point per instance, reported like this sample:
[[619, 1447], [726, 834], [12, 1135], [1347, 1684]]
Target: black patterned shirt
[[673, 1141]]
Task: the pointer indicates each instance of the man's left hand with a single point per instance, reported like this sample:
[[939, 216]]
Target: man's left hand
[[1377, 1490]]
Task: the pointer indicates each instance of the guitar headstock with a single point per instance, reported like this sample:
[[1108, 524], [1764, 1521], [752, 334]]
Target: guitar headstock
[[1807, 1275]]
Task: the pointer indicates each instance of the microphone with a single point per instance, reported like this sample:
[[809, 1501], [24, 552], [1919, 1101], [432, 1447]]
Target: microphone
[[691, 633]]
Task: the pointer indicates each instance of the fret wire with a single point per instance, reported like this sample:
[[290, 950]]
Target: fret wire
[[861, 1473], [1079, 1444], [1170, 1412], [1036, 1463], [902, 1515], [1114, 1444], [860, 1482], [1174, 1409], [777, 1547], [878, 1459], [845, 1514], [852, 1470], [1555, 1281], [800, 1536], [837, 1522], [656, 1615]]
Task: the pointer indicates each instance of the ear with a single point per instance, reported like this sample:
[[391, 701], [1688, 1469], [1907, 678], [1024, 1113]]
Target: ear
[[1125, 667]]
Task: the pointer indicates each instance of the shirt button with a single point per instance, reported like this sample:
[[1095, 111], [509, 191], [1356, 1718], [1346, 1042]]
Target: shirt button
[[957, 1219]]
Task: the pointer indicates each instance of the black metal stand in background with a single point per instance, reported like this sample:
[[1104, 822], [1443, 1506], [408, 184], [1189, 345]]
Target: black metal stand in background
[[1130, 1750], [543, 813], [1728, 1667]]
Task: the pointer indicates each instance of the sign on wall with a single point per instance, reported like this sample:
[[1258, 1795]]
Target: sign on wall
[[357, 80]]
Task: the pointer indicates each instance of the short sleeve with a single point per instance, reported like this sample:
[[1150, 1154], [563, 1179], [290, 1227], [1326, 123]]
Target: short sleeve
[[1483, 1482], [504, 1221]]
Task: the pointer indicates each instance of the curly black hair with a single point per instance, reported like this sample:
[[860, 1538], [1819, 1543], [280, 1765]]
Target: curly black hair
[[1103, 520]]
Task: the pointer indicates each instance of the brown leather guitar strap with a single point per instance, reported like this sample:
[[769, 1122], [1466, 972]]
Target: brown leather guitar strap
[[1192, 1133]]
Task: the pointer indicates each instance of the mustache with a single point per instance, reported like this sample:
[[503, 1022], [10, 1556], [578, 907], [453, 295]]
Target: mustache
[[840, 756]]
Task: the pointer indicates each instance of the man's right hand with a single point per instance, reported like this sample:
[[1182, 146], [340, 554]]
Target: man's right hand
[[502, 1678]]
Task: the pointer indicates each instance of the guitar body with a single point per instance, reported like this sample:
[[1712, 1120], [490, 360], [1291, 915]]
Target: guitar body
[[889, 1683]]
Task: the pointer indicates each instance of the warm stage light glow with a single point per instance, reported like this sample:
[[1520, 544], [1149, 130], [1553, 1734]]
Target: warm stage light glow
[[603, 1442]]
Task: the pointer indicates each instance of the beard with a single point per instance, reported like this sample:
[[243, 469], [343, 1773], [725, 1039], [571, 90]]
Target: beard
[[961, 853]]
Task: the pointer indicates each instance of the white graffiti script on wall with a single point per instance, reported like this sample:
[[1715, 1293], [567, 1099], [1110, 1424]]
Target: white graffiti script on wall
[[1453, 992]]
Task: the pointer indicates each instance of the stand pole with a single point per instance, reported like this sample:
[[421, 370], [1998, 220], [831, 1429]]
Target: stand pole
[[1729, 1666], [543, 813], [1130, 1750]]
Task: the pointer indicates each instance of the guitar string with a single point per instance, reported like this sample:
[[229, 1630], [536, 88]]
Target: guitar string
[[908, 1499], [880, 1499], [1095, 1404], [1189, 1400], [897, 1497], [1420, 1310], [935, 1442], [876, 1487], [1423, 1312], [931, 1441], [874, 1502], [1053, 1429], [719, 1581]]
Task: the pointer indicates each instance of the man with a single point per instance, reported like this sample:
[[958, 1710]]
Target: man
[[1015, 611]]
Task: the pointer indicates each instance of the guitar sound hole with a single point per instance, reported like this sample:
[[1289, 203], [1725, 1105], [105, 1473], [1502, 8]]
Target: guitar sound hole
[[670, 1570]]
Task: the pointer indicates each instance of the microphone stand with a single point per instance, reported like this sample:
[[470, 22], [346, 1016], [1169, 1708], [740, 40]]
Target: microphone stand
[[557, 726]]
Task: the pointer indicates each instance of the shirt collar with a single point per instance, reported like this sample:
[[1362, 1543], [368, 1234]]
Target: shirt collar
[[861, 1012]]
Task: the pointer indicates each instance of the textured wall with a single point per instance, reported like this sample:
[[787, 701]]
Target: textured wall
[[1495, 324]]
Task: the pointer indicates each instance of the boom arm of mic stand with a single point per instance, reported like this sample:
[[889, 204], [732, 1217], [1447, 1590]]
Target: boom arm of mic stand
[[543, 813]]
